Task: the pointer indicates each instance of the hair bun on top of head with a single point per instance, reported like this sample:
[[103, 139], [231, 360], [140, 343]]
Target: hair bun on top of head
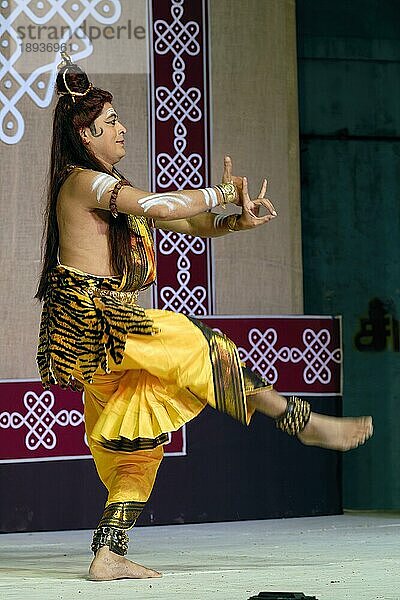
[[71, 80]]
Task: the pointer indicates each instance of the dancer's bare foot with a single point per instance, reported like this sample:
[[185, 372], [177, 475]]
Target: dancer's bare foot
[[107, 566], [336, 433]]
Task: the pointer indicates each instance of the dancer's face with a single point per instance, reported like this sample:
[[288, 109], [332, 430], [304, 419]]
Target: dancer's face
[[105, 136]]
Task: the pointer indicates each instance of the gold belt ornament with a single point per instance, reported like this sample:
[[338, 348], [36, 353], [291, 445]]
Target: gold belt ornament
[[124, 297]]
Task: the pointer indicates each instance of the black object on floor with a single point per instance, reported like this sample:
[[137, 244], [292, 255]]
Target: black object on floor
[[282, 596]]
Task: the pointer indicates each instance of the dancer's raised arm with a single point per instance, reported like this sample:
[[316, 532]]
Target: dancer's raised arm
[[106, 191]]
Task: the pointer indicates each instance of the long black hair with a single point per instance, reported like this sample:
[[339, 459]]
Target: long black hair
[[71, 114]]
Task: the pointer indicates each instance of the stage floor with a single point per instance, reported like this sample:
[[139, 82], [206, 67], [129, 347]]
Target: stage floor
[[355, 556]]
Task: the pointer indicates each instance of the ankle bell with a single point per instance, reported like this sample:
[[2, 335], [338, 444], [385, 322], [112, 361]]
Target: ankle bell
[[295, 417], [116, 539]]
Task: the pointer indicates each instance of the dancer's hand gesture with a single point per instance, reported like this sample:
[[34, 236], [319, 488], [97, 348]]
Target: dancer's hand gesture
[[250, 216], [227, 177], [251, 208]]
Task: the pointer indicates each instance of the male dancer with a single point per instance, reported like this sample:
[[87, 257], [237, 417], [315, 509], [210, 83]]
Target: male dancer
[[144, 372]]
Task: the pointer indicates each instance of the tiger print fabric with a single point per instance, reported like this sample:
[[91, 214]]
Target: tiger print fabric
[[85, 320]]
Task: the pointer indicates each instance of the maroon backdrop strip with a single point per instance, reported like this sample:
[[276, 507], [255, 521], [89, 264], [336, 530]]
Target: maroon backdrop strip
[[179, 145], [38, 424], [298, 355]]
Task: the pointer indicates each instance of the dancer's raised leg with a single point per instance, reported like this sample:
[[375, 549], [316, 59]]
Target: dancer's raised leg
[[335, 433]]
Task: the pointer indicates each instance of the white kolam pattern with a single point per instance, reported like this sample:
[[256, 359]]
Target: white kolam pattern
[[177, 102], [264, 352], [179, 169], [39, 420], [183, 298], [39, 84]]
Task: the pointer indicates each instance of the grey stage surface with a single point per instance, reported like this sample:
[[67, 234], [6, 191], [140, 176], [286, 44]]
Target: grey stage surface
[[334, 558]]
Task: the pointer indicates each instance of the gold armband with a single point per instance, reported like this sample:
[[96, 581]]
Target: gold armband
[[232, 222], [229, 221], [228, 192]]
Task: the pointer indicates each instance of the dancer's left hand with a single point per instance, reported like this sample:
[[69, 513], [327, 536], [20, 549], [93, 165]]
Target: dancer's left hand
[[251, 208]]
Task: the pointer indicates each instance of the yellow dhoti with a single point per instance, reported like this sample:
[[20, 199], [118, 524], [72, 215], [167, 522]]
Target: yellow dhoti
[[145, 373], [163, 381]]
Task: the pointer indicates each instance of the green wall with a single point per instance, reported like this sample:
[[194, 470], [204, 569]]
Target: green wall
[[349, 90]]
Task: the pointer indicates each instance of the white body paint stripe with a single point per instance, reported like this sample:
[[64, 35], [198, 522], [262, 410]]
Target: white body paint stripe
[[213, 195], [168, 200], [103, 183], [207, 196]]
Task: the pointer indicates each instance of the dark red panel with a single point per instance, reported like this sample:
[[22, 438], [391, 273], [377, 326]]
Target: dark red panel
[[179, 155]]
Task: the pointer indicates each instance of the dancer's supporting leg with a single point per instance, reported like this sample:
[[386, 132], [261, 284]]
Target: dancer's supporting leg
[[129, 478]]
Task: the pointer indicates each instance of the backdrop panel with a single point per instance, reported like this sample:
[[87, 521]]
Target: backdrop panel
[[173, 140]]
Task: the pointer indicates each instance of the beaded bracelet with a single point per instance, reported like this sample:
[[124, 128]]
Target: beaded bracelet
[[114, 194]]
